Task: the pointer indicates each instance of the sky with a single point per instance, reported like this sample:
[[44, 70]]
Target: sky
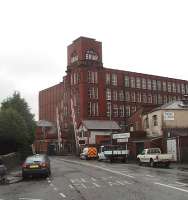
[[146, 36]]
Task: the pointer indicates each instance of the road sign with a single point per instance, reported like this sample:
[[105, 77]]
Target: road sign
[[122, 140], [121, 135]]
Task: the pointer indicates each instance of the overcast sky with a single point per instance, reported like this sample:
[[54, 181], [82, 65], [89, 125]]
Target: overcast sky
[[144, 36]]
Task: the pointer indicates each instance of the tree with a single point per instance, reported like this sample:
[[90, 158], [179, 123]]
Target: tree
[[20, 105], [17, 125], [13, 131]]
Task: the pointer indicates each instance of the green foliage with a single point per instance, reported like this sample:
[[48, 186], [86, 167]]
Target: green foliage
[[20, 105], [13, 126], [17, 125]]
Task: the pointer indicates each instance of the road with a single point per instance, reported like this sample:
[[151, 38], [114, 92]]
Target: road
[[74, 179]]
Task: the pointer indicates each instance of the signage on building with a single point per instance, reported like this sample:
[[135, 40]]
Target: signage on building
[[122, 140], [121, 135], [168, 116]]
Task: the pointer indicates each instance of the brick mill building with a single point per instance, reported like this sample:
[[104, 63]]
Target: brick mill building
[[90, 91]]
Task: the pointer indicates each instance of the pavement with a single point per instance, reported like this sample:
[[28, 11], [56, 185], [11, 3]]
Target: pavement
[[14, 176]]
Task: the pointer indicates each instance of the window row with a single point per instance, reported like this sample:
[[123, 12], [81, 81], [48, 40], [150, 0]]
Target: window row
[[75, 78], [114, 110], [139, 97], [93, 109], [93, 92], [143, 83], [92, 77]]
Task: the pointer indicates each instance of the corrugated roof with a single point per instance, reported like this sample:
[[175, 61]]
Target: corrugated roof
[[173, 105], [101, 125]]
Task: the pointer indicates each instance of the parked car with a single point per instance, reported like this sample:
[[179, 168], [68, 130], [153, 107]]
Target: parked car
[[38, 164], [113, 152], [89, 153], [153, 157], [3, 172]]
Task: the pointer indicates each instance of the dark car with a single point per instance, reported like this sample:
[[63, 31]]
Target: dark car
[[38, 164], [3, 172]]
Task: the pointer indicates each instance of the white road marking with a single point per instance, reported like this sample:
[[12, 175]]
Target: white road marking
[[120, 182], [150, 175], [25, 198], [97, 185], [83, 180], [99, 167], [71, 186], [84, 186], [180, 183], [49, 181], [61, 194], [93, 179], [172, 187], [55, 188]]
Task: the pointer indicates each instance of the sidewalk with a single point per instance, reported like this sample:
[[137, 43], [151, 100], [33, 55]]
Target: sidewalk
[[179, 166], [14, 176]]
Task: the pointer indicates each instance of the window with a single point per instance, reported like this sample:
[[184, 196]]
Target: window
[[154, 85], [115, 110], [108, 109], [173, 87], [107, 79], [149, 84], [143, 83], [114, 79], [178, 88], [149, 98], [165, 99], [121, 111], [144, 98], [132, 82], [182, 88], [108, 94], [93, 92], [146, 123], [121, 95], [169, 86], [158, 85], [155, 99], [160, 100], [133, 97], [74, 57], [127, 96], [93, 109], [92, 77], [138, 97], [126, 81], [164, 86], [154, 119], [115, 96], [128, 111], [138, 82], [186, 88], [91, 55]]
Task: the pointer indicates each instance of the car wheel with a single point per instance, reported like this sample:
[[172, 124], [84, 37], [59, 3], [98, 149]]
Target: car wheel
[[139, 162], [152, 163]]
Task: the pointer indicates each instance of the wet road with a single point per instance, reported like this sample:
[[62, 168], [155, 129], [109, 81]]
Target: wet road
[[75, 179]]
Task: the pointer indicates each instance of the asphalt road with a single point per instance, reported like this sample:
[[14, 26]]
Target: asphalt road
[[75, 179]]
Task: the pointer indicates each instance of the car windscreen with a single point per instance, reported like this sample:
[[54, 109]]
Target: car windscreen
[[34, 159]]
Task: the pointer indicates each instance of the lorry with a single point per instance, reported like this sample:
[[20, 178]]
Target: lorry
[[154, 157], [113, 153], [89, 153]]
